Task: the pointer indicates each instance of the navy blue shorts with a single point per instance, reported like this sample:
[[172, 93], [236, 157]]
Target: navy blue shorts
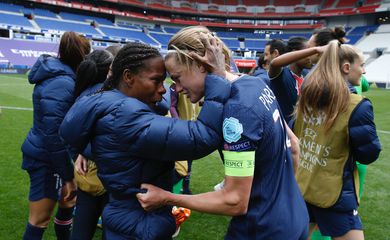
[[334, 223], [44, 183]]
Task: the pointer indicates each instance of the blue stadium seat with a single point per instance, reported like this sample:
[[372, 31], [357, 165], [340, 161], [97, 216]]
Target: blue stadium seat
[[255, 45], [10, 7], [44, 13], [162, 38], [46, 24], [171, 30], [14, 20], [128, 34], [84, 18]]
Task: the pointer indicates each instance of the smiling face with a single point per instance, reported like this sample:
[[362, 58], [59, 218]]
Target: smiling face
[[147, 85], [188, 81], [356, 70]]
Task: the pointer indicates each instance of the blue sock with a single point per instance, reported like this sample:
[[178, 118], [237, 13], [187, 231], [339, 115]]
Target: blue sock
[[63, 223], [33, 232]]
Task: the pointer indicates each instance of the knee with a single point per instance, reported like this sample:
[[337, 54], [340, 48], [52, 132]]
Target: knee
[[41, 221], [67, 204]]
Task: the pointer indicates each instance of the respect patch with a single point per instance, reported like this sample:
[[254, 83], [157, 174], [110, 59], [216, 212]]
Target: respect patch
[[239, 146]]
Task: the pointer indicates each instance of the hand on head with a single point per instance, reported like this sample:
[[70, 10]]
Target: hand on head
[[214, 59]]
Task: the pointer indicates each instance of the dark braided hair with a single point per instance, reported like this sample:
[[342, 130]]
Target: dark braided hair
[[132, 56], [296, 43], [92, 70]]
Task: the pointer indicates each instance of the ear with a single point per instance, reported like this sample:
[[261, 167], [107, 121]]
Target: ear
[[276, 53], [128, 78], [202, 68], [346, 68]]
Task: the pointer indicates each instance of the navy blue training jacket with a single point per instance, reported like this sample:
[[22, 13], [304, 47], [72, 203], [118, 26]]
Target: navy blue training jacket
[[132, 145], [52, 97]]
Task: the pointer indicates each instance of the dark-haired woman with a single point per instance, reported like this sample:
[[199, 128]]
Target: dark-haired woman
[[44, 155], [285, 73], [91, 195], [131, 144]]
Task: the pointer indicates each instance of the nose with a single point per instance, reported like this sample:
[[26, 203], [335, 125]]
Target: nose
[[162, 89], [179, 87], [364, 70]]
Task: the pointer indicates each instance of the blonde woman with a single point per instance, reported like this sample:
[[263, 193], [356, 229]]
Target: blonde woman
[[259, 191], [336, 129]]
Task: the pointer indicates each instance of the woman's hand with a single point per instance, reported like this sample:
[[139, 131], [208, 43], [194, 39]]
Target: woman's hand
[[153, 198], [214, 59], [81, 165]]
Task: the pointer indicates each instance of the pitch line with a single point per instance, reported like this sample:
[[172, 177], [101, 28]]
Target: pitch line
[[16, 108]]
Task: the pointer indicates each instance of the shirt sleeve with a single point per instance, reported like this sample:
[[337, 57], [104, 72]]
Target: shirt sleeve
[[242, 128], [365, 145]]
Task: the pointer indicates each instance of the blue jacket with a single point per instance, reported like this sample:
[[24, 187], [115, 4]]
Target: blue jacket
[[263, 74], [364, 148], [162, 108], [52, 98], [132, 145]]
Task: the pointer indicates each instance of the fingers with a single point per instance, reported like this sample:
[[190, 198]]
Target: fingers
[[84, 165], [81, 165], [205, 38], [197, 57], [79, 169]]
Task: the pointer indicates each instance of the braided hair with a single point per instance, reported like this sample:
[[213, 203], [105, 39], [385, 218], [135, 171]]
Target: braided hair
[[296, 43], [92, 70], [132, 56]]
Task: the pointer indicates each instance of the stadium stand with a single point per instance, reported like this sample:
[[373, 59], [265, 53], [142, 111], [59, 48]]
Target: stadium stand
[[377, 70], [53, 25], [157, 30], [129, 34], [82, 18], [14, 19]]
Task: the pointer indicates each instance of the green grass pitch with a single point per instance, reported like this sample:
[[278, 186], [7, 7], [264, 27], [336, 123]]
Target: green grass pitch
[[15, 91]]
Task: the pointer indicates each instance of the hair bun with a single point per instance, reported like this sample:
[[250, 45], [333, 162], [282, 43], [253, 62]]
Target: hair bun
[[339, 32]]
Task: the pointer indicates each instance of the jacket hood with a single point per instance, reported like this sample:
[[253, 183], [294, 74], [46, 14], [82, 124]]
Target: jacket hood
[[48, 67]]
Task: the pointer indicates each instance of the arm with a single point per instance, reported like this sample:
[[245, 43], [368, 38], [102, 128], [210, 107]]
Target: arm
[[278, 63], [294, 141], [364, 141], [76, 127], [58, 98], [232, 200]]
